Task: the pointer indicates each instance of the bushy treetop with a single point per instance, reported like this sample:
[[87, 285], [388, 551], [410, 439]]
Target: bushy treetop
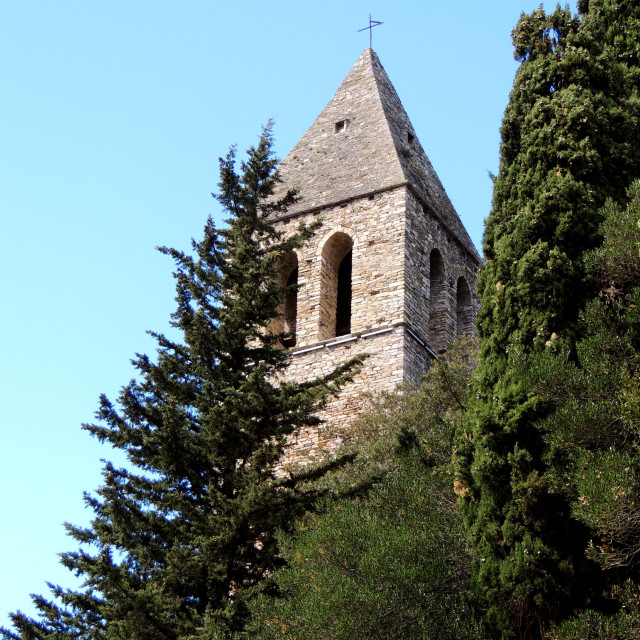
[[570, 141]]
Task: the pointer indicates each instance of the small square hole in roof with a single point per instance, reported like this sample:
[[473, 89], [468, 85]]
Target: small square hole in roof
[[340, 126]]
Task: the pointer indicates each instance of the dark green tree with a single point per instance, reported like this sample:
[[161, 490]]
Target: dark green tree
[[591, 429], [570, 140], [391, 563], [183, 537]]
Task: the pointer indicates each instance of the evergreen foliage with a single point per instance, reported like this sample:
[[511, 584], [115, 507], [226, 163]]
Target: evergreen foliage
[[597, 625], [592, 426], [185, 536], [391, 563], [570, 140]]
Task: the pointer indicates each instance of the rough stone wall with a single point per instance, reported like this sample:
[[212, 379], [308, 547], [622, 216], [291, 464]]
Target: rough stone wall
[[362, 170], [392, 238], [383, 371], [375, 224], [417, 359], [424, 233]]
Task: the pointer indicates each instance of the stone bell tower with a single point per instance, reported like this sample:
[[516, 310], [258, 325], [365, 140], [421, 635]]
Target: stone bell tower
[[392, 271]]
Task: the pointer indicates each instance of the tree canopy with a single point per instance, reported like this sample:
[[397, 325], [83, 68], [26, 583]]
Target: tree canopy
[[591, 423], [570, 140]]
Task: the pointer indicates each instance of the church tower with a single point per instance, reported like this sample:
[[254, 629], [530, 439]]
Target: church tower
[[392, 271]]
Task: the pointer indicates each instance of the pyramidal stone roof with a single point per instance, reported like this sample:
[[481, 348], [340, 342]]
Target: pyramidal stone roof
[[361, 143]]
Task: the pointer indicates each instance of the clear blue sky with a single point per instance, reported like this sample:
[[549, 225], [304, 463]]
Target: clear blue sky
[[112, 118]]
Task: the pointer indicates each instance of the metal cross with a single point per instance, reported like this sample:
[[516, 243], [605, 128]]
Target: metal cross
[[372, 23]]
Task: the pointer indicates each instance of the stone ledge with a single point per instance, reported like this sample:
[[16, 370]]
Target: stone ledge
[[363, 335]]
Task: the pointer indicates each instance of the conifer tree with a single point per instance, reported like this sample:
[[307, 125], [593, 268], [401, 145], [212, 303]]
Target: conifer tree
[[184, 536], [570, 139], [592, 423]]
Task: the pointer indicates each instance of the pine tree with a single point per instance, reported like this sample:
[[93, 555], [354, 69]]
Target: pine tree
[[185, 535], [570, 139]]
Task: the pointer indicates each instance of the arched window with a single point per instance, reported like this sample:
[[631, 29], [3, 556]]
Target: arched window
[[464, 308], [291, 309], [286, 323], [343, 304], [335, 288], [438, 328]]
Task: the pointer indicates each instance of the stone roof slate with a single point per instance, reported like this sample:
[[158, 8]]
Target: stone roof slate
[[363, 142]]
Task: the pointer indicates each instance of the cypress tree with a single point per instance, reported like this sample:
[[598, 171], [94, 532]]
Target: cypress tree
[[183, 537], [592, 425], [570, 139]]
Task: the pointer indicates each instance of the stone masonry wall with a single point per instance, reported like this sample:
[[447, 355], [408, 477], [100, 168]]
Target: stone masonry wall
[[383, 371], [417, 359], [375, 224], [424, 233], [361, 169], [392, 239]]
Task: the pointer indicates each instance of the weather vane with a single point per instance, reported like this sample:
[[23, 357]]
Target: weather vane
[[372, 23]]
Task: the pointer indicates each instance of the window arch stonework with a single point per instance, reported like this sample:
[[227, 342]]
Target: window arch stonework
[[286, 323], [465, 316], [335, 286], [438, 303]]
